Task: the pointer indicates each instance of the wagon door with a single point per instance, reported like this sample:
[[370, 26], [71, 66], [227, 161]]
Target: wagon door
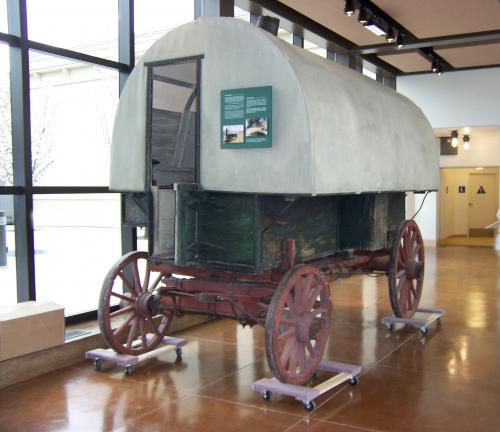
[[173, 122], [173, 137]]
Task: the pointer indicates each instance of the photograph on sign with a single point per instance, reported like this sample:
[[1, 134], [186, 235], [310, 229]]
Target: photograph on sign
[[233, 134]]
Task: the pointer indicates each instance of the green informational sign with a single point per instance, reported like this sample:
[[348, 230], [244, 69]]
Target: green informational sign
[[246, 118]]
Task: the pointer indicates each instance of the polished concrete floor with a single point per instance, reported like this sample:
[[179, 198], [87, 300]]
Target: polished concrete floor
[[448, 382]]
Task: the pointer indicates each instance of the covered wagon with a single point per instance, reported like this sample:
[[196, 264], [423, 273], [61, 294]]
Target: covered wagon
[[259, 170]]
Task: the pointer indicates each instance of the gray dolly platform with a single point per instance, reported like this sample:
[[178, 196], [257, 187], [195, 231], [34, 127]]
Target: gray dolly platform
[[345, 372], [421, 323], [128, 361]]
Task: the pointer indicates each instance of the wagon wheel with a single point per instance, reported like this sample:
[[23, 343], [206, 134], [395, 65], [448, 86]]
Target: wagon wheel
[[406, 270], [133, 328], [297, 324]]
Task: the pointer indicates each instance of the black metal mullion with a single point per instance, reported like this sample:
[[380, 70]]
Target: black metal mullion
[[21, 151], [126, 55]]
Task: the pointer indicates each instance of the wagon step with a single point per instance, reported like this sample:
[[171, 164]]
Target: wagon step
[[345, 373], [128, 361], [432, 315]]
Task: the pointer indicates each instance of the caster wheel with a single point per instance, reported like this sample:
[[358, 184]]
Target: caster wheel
[[424, 331], [354, 381], [315, 375], [389, 327], [266, 395], [128, 370], [310, 406], [178, 352], [97, 365]]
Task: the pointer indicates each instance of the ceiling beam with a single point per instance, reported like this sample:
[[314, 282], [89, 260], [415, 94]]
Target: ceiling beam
[[452, 41], [408, 35], [334, 41]]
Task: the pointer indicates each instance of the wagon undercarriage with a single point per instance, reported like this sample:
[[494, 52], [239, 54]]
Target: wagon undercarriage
[[141, 297]]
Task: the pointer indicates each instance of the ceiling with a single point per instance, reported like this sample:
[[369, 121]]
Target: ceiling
[[458, 34]]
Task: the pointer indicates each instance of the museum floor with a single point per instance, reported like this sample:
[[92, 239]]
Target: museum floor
[[450, 382]]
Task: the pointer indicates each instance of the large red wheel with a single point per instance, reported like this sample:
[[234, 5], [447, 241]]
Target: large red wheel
[[297, 324], [406, 270], [134, 328]]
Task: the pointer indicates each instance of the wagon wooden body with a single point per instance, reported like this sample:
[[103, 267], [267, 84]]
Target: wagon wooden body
[[254, 233]]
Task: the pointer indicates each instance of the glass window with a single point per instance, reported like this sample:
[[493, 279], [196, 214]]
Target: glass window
[[3, 16], [315, 49], [72, 112], [89, 26], [154, 18], [7, 252], [5, 123], [285, 35], [77, 240], [369, 73], [241, 14]]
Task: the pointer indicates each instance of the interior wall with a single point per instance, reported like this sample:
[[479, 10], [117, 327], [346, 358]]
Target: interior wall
[[456, 99], [453, 205]]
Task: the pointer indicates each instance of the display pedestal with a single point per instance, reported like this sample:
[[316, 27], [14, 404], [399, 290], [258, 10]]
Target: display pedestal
[[128, 361], [434, 315], [345, 372]]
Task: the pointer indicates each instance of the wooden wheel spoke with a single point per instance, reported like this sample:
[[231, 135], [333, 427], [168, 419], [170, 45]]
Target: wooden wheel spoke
[[151, 324], [401, 273], [291, 305], [307, 289], [122, 297], [287, 322], [121, 311], [127, 282], [153, 286], [402, 255], [124, 325], [144, 340], [313, 297], [301, 356], [401, 283], [137, 278], [131, 335], [287, 349], [145, 283], [320, 310], [415, 252], [310, 347], [292, 362], [287, 334]]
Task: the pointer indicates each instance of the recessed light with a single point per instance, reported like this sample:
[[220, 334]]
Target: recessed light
[[480, 168]]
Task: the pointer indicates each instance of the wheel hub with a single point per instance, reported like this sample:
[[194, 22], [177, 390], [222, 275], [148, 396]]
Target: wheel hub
[[305, 329], [414, 269], [144, 304]]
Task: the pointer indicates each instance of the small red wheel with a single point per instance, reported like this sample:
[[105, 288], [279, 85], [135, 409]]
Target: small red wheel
[[133, 328], [297, 324], [406, 270]]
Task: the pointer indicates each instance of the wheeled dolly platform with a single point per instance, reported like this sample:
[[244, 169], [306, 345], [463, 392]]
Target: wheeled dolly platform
[[128, 361], [434, 315], [345, 373]]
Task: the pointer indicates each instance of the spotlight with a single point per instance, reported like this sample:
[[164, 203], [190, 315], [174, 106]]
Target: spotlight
[[466, 140], [454, 138], [349, 8], [390, 35], [362, 16], [374, 27], [435, 65], [400, 41], [439, 69]]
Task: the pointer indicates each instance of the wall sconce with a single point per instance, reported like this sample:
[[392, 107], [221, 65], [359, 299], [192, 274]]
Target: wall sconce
[[466, 140], [454, 139]]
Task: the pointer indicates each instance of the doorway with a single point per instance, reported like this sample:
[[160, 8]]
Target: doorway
[[483, 203], [468, 202]]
